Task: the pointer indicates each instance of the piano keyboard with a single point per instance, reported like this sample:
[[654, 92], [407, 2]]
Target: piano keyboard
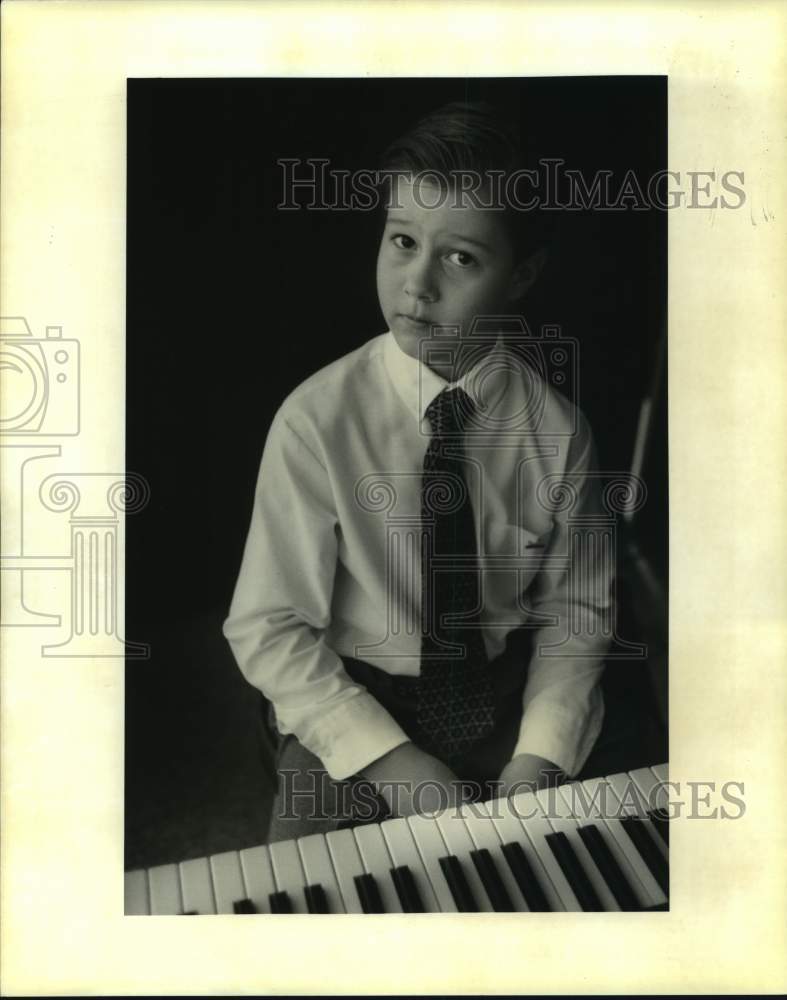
[[567, 848]]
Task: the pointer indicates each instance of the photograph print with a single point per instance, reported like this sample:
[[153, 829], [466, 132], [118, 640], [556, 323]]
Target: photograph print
[[396, 363]]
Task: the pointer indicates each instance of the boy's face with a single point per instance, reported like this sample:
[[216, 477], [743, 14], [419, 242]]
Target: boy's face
[[443, 266]]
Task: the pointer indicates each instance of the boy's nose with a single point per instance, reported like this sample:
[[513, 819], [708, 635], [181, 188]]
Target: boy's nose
[[419, 281]]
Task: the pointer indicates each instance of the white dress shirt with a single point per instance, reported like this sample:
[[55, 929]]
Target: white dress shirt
[[332, 559]]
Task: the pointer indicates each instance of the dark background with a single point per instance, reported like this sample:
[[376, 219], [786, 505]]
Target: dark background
[[231, 303]]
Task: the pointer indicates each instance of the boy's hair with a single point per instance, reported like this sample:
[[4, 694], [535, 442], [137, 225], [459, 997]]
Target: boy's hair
[[469, 138]]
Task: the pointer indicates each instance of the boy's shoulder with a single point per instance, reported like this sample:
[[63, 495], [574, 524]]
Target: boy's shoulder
[[536, 405], [335, 387], [562, 416]]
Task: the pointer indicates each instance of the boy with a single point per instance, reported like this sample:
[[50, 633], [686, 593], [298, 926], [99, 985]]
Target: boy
[[403, 577]]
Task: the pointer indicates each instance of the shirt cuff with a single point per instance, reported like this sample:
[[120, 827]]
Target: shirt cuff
[[352, 735], [559, 735]]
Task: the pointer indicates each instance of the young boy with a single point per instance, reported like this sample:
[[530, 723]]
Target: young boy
[[406, 600]]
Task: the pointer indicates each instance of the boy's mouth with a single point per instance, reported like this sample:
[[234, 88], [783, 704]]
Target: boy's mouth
[[417, 322]]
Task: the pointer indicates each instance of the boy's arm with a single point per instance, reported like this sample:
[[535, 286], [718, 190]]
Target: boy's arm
[[412, 781], [563, 706], [282, 606]]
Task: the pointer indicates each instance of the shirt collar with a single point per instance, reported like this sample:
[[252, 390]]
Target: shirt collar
[[418, 385]]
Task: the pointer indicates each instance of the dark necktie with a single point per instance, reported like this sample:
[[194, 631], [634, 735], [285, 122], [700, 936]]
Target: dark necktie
[[456, 704]]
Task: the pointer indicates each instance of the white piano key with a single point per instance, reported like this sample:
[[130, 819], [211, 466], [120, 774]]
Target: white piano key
[[431, 848], [634, 802], [318, 869], [258, 878], [595, 800], [661, 771], [136, 897], [404, 852], [651, 788], [485, 837], [165, 895], [377, 862], [459, 843], [347, 864], [228, 884], [510, 831], [288, 873], [536, 827], [557, 812], [197, 886]]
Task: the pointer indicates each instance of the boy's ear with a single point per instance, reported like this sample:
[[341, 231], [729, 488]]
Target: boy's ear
[[525, 274]]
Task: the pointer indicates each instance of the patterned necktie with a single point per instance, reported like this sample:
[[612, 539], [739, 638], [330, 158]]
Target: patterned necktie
[[456, 705]]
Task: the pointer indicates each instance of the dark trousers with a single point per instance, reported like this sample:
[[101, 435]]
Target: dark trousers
[[308, 800]]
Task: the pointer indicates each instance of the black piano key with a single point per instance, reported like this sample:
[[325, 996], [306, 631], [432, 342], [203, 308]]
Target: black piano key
[[571, 867], [610, 870], [243, 906], [457, 883], [493, 884], [280, 902], [660, 820], [369, 894], [648, 851], [316, 900], [525, 878], [407, 890], [190, 913]]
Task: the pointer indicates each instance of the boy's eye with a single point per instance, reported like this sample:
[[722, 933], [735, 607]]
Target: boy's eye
[[462, 259], [403, 241]]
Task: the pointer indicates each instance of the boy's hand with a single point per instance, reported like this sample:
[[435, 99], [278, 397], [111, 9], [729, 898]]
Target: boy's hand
[[526, 773], [411, 780]]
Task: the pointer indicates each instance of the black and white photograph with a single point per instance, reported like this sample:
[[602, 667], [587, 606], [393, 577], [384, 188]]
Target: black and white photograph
[[396, 379]]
